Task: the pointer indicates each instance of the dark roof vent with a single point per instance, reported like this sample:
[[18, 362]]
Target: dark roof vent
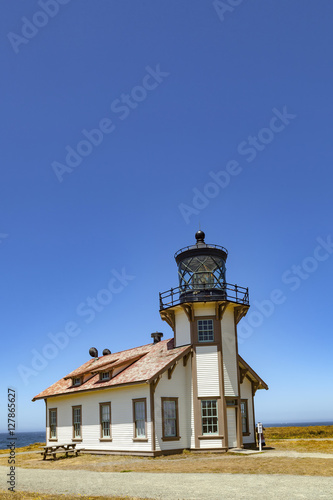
[[93, 352], [157, 337], [106, 352]]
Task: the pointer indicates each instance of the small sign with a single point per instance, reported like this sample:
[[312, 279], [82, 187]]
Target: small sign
[[259, 426]]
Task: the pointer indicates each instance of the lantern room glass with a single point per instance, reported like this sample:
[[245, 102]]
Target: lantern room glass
[[202, 272]]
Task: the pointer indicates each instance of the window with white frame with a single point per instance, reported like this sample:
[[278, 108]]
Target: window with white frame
[[209, 416], [105, 418], [53, 423], [104, 376], [77, 381], [77, 422], [139, 411], [170, 418], [205, 330]]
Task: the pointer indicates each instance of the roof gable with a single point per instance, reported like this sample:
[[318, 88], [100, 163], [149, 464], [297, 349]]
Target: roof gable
[[248, 371]]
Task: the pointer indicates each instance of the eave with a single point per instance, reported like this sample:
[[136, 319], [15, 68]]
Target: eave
[[77, 391], [248, 371]]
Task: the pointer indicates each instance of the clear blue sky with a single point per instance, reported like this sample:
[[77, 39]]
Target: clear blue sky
[[185, 96]]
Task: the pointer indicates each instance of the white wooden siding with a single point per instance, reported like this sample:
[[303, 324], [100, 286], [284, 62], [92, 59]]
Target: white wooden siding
[[246, 393], [232, 433], [179, 386], [183, 333], [207, 371], [210, 443], [121, 418], [230, 366]]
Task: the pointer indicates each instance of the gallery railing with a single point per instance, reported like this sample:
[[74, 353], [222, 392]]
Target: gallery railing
[[202, 293]]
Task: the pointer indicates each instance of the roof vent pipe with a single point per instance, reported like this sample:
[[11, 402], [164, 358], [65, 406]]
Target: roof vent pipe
[[93, 352], [106, 352], [157, 337]]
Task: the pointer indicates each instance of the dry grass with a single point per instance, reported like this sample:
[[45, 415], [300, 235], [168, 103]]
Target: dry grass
[[312, 439], [31, 447], [204, 462], [186, 462], [318, 431], [302, 445]]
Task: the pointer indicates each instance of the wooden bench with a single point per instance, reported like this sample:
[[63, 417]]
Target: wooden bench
[[59, 448]]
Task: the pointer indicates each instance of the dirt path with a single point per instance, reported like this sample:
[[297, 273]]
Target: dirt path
[[172, 486]]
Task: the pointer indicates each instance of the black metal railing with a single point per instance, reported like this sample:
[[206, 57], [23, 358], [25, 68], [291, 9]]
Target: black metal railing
[[202, 293]]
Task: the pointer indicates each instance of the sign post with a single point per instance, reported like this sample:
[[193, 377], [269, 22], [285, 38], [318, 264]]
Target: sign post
[[259, 428]]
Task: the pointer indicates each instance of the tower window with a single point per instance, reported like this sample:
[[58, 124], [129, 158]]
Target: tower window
[[205, 330]]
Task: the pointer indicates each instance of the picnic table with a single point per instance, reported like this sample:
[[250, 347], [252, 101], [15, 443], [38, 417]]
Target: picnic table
[[59, 448]]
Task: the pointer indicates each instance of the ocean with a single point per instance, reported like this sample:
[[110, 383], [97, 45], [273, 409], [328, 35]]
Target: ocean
[[297, 424], [26, 438], [22, 439]]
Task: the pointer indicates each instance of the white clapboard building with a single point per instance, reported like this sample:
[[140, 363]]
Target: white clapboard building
[[192, 391]]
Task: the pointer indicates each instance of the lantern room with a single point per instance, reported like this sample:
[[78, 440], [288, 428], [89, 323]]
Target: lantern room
[[201, 270], [202, 276]]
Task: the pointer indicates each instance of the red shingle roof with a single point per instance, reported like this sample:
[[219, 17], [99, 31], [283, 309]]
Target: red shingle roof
[[117, 358], [154, 359]]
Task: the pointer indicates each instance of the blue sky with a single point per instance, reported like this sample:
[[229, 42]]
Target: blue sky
[[127, 124]]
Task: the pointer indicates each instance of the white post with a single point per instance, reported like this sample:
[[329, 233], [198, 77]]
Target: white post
[[259, 427]]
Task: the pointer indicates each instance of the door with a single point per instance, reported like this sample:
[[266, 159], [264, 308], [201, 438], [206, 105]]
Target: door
[[232, 429]]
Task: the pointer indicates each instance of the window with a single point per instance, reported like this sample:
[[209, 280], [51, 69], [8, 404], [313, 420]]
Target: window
[[209, 416], [170, 418], [53, 423], [244, 413], [77, 422], [205, 330], [139, 413], [104, 376], [105, 419], [77, 381]]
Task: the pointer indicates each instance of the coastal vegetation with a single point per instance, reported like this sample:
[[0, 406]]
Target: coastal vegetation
[[311, 432]]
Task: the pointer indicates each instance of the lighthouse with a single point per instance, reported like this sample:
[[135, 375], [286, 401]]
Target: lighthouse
[[203, 311], [192, 391]]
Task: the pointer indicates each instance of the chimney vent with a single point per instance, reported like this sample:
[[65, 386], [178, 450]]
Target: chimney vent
[[157, 337], [106, 352], [93, 352]]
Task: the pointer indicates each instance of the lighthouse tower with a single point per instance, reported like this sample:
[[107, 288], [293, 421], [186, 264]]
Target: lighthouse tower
[[203, 311]]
